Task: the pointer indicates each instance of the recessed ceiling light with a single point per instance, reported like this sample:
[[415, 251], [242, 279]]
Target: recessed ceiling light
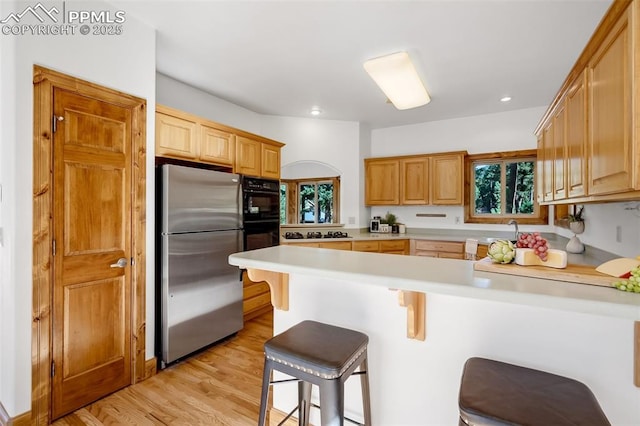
[[505, 99], [316, 111]]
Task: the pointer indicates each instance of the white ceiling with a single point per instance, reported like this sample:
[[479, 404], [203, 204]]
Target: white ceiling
[[283, 57]]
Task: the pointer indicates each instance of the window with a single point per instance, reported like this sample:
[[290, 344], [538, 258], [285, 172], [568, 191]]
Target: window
[[309, 200], [502, 187]]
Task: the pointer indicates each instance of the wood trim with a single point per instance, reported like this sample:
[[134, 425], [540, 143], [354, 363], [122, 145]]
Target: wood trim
[[278, 284], [636, 354], [44, 81], [404, 157], [23, 419], [201, 120], [416, 304], [150, 368], [542, 217]]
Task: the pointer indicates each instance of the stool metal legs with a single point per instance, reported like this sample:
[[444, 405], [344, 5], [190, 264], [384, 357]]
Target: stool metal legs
[[364, 385], [266, 380], [331, 397], [304, 402]]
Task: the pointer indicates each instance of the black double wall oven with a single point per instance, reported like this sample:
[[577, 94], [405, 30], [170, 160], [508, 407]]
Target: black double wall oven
[[260, 212]]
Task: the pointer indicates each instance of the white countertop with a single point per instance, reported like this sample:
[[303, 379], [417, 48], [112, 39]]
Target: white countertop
[[441, 276]]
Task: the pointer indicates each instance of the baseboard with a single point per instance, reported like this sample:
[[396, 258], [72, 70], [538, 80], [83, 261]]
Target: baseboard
[[276, 416], [23, 419], [150, 368]]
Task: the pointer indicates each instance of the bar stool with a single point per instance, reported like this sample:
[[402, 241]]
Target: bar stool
[[318, 354], [497, 393]]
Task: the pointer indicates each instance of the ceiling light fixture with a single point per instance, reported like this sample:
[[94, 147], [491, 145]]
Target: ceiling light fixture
[[505, 99], [398, 79], [315, 111]]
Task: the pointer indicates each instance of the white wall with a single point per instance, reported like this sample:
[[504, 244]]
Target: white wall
[[417, 382], [506, 131], [176, 94], [126, 63], [335, 143]]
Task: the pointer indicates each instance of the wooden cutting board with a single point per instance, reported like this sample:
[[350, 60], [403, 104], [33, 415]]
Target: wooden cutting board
[[583, 274]]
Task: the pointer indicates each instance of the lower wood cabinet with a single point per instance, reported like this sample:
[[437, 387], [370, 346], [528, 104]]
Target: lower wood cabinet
[[384, 246], [443, 249], [482, 251], [256, 298]]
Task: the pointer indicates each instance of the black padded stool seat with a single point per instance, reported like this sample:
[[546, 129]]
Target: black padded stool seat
[[497, 393], [318, 354]]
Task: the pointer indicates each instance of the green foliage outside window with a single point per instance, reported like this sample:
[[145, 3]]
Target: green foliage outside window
[[504, 188]]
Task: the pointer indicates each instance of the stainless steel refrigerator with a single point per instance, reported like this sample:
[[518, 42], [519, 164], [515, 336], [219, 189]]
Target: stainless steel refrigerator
[[200, 294]]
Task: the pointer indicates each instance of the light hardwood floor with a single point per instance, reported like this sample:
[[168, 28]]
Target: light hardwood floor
[[219, 386]]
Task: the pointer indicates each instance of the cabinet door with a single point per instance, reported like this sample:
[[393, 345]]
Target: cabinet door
[[414, 184], [270, 161], [382, 182], [548, 156], [610, 149], [176, 137], [576, 141], [394, 247], [559, 183], [366, 246], [248, 156], [446, 179], [540, 165], [216, 146]]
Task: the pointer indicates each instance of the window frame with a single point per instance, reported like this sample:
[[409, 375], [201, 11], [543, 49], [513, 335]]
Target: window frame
[[293, 199], [541, 212]]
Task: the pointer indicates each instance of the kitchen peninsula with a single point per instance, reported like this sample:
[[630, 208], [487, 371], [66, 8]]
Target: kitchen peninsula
[[443, 312]]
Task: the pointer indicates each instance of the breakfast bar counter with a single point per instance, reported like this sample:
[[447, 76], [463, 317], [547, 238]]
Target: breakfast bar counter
[[442, 312]]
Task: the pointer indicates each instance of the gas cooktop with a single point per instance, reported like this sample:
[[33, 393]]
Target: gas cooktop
[[315, 234]]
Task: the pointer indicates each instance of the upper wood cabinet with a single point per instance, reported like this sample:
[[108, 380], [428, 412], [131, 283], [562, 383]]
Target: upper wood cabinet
[[415, 180], [216, 146], [610, 88], [382, 182], [188, 137], [559, 146], [248, 156], [176, 136], [270, 161], [576, 137], [594, 113], [446, 179]]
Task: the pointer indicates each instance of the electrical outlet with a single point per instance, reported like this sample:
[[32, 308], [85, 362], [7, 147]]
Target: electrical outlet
[[352, 220], [618, 234], [457, 220]]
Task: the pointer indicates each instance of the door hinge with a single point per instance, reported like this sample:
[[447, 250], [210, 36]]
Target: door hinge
[[53, 247], [53, 368]]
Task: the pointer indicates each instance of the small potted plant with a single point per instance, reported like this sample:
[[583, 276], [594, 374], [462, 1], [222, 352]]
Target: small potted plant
[[576, 221], [392, 221]]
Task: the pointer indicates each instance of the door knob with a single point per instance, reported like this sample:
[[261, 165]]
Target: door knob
[[121, 263]]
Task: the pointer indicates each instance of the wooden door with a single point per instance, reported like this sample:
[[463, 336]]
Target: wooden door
[[414, 181], [270, 161], [381, 182], [446, 179], [248, 152], [216, 146], [92, 230], [610, 151], [577, 138]]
